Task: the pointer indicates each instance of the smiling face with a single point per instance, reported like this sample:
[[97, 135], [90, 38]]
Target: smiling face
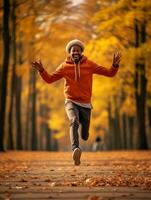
[[76, 53]]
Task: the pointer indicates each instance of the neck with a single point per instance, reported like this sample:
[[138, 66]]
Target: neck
[[76, 61]]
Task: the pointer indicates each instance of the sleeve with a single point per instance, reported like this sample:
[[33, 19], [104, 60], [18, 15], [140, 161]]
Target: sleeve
[[110, 72], [54, 76]]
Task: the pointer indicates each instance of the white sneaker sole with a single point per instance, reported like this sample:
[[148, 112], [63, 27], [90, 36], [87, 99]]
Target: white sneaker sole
[[76, 156]]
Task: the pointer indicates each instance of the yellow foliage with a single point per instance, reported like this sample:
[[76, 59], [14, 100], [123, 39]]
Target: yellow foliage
[[44, 33], [59, 135]]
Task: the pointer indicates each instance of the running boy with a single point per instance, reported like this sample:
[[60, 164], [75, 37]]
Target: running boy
[[77, 71]]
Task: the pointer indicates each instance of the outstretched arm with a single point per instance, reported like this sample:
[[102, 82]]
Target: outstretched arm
[[49, 78], [112, 70]]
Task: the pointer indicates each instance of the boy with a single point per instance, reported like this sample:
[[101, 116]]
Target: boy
[[77, 72]]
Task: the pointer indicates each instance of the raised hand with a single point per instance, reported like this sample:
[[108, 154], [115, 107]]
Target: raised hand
[[37, 65], [116, 59]]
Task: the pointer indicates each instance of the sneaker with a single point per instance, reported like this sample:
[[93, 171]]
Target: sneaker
[[76, 156]]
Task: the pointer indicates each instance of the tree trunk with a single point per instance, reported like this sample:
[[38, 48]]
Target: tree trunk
[[18, 114], [128, 131], [149, 126], [45, 132], [48, 138], [33, 126], [143, 84], [13, 79], [27, 128], [149, 115], [130, 123], [54, 145], [3, 90], [124, 131], [136, 84], [42, 127], [140, 84], [110, 139], [117, 128]]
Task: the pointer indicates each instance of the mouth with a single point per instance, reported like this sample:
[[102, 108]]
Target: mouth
[[76, 56]]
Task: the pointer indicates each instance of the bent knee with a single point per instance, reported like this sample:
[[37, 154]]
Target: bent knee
[[74, 121], [85, 137]]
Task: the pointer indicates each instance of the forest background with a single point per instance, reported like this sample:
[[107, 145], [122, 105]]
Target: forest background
[[32, 114]]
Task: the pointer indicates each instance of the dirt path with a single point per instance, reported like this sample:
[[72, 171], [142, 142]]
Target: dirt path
[[101, 176]]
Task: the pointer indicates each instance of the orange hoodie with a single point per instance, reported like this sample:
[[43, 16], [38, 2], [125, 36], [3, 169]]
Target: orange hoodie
[[78, 78]]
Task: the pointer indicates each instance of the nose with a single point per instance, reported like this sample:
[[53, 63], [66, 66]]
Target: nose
[[76, 52]]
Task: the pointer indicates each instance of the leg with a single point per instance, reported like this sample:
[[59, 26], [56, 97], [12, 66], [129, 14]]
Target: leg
[[73, 115], [84, 118]]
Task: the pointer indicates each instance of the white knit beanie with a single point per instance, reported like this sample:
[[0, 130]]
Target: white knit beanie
[[74, 42]]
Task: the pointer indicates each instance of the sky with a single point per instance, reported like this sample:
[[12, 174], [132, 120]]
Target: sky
[[76, 2]]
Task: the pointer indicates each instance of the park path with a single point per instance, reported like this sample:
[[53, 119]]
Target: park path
[[101, 176]]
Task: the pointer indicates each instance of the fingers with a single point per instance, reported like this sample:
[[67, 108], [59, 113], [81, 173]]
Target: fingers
[[117, 58], [34, 64], [117, 55], [37, 63]]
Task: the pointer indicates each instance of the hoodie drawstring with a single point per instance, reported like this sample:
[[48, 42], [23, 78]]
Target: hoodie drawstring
[[77, 71]]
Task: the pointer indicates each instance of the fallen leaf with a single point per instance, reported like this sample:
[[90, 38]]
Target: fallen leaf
[[53, 184], [18, 187]]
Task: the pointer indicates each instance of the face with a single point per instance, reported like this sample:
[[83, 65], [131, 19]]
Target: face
[[76, 53]]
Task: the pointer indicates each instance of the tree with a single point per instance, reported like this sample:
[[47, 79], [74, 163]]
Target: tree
[[13, 78], [121, 28], [3, 90], [140, 83]]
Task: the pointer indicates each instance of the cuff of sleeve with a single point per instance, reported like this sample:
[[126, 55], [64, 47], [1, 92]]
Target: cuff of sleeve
[[115, 66], [40, 71]]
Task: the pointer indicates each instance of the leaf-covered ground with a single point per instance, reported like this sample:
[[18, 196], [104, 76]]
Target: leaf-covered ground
[[27, 174]]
